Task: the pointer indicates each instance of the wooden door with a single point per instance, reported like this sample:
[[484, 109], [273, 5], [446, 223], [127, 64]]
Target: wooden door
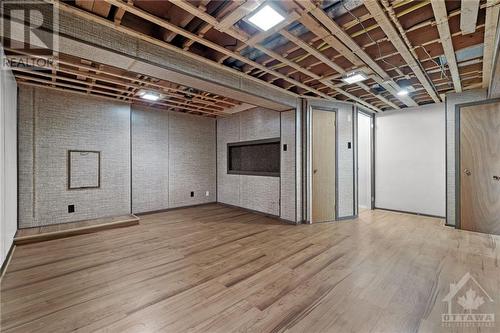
[[480, 168], [323, 166]]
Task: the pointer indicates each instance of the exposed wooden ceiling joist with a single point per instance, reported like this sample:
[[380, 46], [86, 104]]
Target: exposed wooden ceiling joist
[[316, 44], [355, 49], [439, 8], [256, 39], [95, 79], [490, 30], [468, 16], [392, 34]]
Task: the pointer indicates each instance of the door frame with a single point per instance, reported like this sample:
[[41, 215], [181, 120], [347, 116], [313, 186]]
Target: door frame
[[372, 156], [458, 157], [309, 161]]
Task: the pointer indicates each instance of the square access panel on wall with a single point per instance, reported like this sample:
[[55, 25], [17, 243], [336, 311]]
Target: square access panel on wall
[[84, 169]]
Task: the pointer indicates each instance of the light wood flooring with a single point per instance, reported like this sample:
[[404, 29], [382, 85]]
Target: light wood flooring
[[62, 230], [218, 269]]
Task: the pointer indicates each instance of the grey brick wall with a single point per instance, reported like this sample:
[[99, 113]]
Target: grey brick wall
[[50, 124], [251, 192], [173, 155], [150, 165], [192, 159], [288, 176]]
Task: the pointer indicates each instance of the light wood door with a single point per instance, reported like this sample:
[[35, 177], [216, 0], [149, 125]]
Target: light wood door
[[480, 168], [323, 166]]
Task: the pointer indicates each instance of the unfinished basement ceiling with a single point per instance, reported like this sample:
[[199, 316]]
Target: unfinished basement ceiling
[[396, 43], [85, 77]]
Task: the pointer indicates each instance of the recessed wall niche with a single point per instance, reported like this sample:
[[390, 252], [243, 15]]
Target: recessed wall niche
[[255, 158]]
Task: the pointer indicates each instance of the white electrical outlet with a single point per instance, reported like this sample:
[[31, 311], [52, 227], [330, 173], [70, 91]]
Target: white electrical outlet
[[207, 193]]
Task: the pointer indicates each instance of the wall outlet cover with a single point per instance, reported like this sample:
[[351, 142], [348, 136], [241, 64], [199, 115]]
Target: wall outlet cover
[[207, 193]]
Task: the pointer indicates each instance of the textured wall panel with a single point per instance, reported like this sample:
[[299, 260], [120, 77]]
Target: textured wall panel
[[287, 210], [251, 192], [259, 123], [62, 122], [192, 159], [228, 186], [345, 162], [451, 101], [260, 193], [149, 159]]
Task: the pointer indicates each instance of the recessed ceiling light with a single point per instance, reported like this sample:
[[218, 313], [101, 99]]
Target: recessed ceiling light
[[354, 77], [266, 18], [403, 92], [150, 96]]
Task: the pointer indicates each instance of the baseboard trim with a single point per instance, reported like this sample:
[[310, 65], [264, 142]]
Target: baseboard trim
[[343, 218], [6, 262], [46, 236], [174, 208], [275, 217], [411, 213]]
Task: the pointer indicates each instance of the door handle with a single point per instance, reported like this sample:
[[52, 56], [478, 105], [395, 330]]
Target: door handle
[[315, 170], [497, 178], [467, 172]]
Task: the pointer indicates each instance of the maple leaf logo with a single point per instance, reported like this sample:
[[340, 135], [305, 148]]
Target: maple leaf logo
[[470, 301]]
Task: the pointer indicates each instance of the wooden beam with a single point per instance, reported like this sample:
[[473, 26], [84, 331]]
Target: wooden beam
[[136, 83], [468, 16], [285, 96], [167, 25], [490, 30], [236, 15], [354, 49], [83, 90], [334, 42], [108, 76], [254, 42], [441, 15], [392, 34], [324, 59]]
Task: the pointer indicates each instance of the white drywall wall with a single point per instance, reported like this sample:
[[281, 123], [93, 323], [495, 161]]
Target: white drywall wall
[[364, 160], [8, 159], [410, 160]]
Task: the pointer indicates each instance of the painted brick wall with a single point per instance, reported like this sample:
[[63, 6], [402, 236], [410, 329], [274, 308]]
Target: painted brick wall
[[173, 155], [192, 159], [149, 160], [51, 123], [256, 192], [288, 171]]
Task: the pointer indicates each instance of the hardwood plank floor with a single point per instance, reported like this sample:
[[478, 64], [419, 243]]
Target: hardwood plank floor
[[219, 269]]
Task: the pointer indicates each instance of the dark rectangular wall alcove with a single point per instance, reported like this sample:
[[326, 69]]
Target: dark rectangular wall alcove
[[258, 157]]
